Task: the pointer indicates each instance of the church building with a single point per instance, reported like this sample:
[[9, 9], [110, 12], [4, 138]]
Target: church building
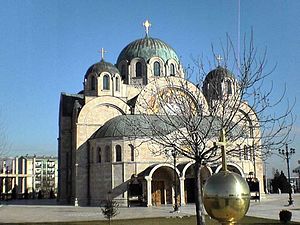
[[99, 153]]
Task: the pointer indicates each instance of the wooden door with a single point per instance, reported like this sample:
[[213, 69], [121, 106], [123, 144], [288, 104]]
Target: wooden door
[[157, 193]]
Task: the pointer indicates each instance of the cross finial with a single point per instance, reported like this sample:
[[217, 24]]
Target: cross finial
[[219, 59], [147, 24], [102, 51]]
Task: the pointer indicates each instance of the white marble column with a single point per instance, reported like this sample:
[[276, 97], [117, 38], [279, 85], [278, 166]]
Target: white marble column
[[149, 194], [23, 184], [182, 197]]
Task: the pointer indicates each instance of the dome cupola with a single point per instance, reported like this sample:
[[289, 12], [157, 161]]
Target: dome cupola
[[218, 83], [102, 78], [101, 67], [146, 48], [146, 58]]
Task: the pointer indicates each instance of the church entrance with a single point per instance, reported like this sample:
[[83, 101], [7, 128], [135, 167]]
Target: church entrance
[[190, 185], [190, 182], [158, 189], [162, 186]]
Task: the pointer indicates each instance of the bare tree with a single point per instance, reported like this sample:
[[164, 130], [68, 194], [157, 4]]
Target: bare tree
[[188, 118]]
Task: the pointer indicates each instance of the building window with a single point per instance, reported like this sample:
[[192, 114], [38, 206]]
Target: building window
[[131, 152], [99, 155], [156, 68], [93, 83], [118, 153], [123, 71], [138, 69], [172, 69], [107, 154], [247, 150], [117, 84], [105, 82], [229, 87]]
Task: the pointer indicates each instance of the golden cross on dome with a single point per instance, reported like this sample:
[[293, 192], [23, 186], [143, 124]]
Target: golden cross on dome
[[219, 59], [147, 24], [102, 51]]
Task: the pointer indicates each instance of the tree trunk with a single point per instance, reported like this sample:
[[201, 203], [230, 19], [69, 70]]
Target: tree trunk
[[198, 201]]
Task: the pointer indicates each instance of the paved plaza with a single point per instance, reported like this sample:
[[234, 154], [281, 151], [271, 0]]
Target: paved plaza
[[47, 210]]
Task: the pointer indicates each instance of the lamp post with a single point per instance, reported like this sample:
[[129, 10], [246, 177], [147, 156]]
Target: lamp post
[[76, 186], [287, 154], [174, 155], [6, 182]]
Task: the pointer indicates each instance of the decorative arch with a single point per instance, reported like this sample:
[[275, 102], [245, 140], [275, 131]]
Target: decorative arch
[[88, 109], [172, 68], [187, 166], [233, 165], [149, 93], [161, 68], [138, 68], [151, 172]]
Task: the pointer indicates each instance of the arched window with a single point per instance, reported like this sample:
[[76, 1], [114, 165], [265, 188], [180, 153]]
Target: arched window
[[106, 82], [172, 69], [123, 71], [93, 83], [99, 155], [138, 69], [229, 87], [107, 154], [156, 68], [117, 84], [118, 153], [131, 152], [246, 152]]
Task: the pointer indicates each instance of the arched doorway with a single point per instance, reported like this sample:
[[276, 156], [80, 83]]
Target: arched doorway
[[190, 185], [162, 186], [190, 181]]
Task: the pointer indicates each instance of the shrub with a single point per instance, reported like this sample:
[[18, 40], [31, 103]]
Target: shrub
[[285, 215], [110, 210]]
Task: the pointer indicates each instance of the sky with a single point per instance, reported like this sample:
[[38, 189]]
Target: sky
[[46, 48]]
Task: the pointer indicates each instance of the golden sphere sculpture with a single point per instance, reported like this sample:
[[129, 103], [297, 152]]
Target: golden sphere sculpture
[[226, 197]]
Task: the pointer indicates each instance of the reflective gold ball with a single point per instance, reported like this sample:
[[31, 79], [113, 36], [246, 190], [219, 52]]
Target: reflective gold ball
[[226, 197]]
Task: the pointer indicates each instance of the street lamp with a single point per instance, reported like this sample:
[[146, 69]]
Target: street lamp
[[6, 183], [287, 153], [76, 186], [174, 155]]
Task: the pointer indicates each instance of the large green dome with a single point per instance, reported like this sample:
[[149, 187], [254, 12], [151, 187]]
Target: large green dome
[[147, 48]]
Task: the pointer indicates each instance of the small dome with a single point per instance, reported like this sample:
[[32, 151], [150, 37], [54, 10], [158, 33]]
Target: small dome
[[218, 83], [147, 48], [219, 74], [100, 67]]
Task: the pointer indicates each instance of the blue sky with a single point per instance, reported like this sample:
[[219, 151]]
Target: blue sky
[[47, 46]]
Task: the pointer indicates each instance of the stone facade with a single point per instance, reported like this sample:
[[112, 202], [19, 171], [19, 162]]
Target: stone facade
[[96, 161]]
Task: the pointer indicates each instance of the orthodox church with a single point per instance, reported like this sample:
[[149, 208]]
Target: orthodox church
[[98, 152]]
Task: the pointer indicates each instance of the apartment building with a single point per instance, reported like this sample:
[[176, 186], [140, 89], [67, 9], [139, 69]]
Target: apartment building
[[24, 176]]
